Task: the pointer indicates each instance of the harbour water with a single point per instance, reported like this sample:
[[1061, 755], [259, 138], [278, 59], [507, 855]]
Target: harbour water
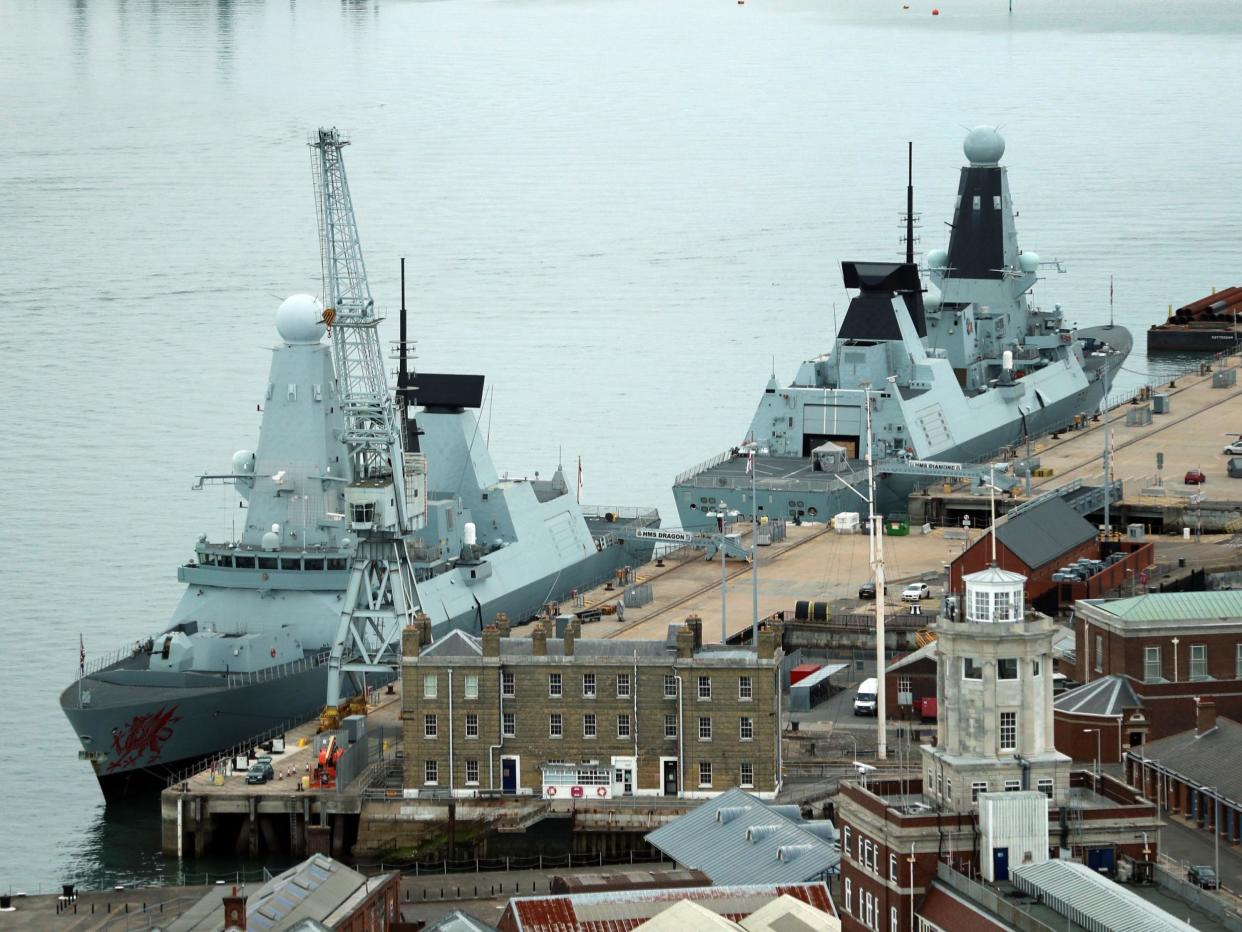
[[621, 211]]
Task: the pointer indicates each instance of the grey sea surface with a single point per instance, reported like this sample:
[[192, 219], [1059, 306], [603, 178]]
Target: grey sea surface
[[624, 212]]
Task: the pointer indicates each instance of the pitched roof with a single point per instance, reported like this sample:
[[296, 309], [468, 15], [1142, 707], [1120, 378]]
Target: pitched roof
[[459, 644], [1208, 760], [737, 838], [1075, 890], [457, 921], [685, 915], [928, 651], [1043, 533], [785, 914], [1106, 696], [623, 911], [1225, 605], [994, 574]]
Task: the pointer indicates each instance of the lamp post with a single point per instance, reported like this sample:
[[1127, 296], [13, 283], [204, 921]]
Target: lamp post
[[1026, 429], [1097, 753], [1175, 643], [752, 467], [721, 516]]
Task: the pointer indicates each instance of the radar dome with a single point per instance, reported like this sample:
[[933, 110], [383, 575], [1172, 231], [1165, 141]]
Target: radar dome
[[243, 462], [983, 146], [299, 319], [271, 541], [931, 301], [1029, 261], [938, 259]]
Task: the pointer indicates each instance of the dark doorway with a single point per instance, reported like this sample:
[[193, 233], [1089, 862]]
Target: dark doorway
[[670, 778]]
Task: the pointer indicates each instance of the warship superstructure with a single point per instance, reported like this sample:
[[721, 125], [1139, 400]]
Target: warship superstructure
[[953, 373], [247, 651]]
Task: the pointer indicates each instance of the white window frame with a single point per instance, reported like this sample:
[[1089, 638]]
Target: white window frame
[[1099, 653], [472, 765], [670, 686], [556, 725], [1008, 724], [746, 728], [1199, 663], [1013, 786], [1047, 786], [977, 787], [472, 725], [470, 686], [708, 765], [705, 728], [746, 686], [508, 684], [670, 720], [431, 772], [623, 686], [1017, 668], [431, 726], [1156, 663], [590, 725], [705, 688], [967, 664], [556, 688], [588, 686], [431, 686], [508, 725], [623, 725], [746, 775], [1237, 670]]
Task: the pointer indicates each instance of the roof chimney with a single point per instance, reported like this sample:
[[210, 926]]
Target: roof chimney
[[235, 911], [539, 640], [502, 624], [696, 625], [568, 639], [1205, 716], [491, 641]]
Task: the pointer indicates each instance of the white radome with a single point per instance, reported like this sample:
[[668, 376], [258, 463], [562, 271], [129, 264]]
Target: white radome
[[1029, 261], [243, 462], [938, 259], [983, 146], [299, 320]]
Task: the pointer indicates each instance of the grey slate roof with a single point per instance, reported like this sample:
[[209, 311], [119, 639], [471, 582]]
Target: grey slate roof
[[1106, 696], [928, 651], [1041, 534], [1095, 902], [459, 644], [736, 838], [1210, 760]]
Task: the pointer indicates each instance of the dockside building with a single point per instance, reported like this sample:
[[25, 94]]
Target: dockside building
[[585, 718]]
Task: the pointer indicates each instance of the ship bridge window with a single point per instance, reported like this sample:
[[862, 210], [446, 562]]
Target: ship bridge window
[[268, 563], [245, 563], [206, 559], [362, 513], [336, 563], [294, 564], [314, 564]]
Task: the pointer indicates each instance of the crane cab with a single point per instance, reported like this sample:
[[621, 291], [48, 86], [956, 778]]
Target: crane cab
[[372, 504]]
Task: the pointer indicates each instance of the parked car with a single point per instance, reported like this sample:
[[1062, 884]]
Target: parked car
[[1195, 477], [1234, 448], [915, 592], [260, 772], [866, 590], [1202, 876]]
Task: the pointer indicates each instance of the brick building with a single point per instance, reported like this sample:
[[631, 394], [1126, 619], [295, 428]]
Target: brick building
[[910, 680], [1038, 540], [1171, 647], [575, 717], [1099, 720], [992, 765]]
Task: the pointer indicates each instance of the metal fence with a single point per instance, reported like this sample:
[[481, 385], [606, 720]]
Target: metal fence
[[225, 757], [374, 750], [267, 674]]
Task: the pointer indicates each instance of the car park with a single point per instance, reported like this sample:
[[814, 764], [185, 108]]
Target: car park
[[915, 592]]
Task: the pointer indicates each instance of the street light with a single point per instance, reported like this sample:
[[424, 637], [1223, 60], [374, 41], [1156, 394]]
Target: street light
[[1097, 753], [1175, 643], [753, 449], [722, 515]]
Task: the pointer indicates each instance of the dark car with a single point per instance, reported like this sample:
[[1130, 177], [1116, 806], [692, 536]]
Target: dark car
[[260, 772], [1195, 477], [1202, 876], [866, 590]]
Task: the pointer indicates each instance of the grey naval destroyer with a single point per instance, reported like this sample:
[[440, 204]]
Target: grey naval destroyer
[[247, 650], [953, 373]]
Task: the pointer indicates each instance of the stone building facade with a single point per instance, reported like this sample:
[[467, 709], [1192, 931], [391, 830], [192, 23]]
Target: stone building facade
[[576, 717]]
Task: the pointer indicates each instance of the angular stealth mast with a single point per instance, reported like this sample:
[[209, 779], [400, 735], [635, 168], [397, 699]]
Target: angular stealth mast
[[386, 498]]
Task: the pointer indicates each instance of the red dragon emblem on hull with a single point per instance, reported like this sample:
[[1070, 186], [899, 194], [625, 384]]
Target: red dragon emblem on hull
[[144, 735]]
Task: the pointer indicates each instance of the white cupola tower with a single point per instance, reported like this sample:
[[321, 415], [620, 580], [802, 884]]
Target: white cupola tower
[[994, 692]]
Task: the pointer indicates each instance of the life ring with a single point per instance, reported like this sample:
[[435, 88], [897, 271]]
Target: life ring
[[602, 791], [551, 791]]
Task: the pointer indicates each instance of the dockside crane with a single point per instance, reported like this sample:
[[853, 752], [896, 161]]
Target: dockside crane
[[385, 498]]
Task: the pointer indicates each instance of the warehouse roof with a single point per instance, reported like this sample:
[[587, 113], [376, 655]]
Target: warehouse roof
[[1106, 696], [623, 911], [1097, 903], [457, 921], [1043, 533], [1210, 759], [737, 838]]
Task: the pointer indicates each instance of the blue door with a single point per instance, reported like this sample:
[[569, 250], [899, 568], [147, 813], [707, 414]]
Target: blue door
[[1000, 864], [1100, 859], [508, 775]]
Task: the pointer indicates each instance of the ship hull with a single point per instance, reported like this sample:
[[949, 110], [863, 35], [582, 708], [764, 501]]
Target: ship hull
[[892, 492], [1178, 340], [143, 736]]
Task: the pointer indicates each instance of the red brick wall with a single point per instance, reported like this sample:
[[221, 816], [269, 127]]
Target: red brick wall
[[1069, 737]]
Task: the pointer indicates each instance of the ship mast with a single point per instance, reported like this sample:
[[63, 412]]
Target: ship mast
[[381, 597]]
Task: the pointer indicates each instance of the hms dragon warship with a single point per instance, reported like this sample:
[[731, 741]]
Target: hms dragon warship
[[246, 653], [952, 373]]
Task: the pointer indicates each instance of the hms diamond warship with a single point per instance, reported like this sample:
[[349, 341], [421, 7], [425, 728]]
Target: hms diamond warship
[[246, 653], [952, 374]]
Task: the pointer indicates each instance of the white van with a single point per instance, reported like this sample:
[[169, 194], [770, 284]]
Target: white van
[[864, 702]]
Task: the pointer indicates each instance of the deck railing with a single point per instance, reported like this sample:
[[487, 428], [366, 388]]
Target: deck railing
[[268, 674]]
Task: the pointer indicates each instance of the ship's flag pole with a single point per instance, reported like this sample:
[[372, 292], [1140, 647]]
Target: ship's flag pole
[[580, 480], [81, 666]]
